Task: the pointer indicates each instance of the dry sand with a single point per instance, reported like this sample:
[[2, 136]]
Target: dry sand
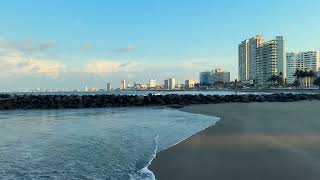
[[255, 141]]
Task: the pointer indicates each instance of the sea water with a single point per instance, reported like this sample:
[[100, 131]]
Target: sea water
[[114, 143]]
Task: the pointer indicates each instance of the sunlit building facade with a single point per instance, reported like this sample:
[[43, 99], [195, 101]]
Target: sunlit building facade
[[308, 60]]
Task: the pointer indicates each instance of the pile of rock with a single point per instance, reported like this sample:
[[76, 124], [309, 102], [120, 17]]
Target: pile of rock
[[8, 102]]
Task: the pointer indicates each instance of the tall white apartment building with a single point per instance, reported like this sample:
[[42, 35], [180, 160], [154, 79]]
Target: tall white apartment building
[[308, 60], [247, 57], [258, 60], [266, 62]]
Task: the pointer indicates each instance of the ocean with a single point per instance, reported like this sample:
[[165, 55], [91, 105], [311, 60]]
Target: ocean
[[111, 143], [139, 93]]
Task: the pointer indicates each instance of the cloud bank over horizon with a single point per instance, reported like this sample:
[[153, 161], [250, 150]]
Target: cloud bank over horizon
[[30, 65]]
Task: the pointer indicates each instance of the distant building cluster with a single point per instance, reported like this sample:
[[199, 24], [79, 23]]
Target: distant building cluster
[[258, 60], [217, 75]]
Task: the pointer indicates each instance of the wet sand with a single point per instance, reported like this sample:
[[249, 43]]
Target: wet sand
[[255, 141]]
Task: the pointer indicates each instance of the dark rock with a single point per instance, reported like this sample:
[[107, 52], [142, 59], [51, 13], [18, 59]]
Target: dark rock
[[244, 98]]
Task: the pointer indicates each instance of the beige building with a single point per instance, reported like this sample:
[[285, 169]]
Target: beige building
[[152, 83], [189, 84], [123, 85], [247, 57]]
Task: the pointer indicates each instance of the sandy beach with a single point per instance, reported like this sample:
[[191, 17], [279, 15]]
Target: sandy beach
[[271, 141]]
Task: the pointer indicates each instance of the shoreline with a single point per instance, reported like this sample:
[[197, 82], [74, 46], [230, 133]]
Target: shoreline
[[247, 146], [154, 156]]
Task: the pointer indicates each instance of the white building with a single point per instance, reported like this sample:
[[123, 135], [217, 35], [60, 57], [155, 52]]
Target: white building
[[152, 83], [189, 84], [170, 83], [109, 87], [270, 60], [308, 60], [258, 60]]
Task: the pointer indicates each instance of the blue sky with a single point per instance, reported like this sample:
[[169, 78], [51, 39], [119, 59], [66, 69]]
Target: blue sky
[[73, 43]]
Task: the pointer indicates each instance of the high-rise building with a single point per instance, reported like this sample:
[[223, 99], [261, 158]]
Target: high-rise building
[[270, 60], [205, 78], [259, 60], [123, 85], [109, 87], [281, 57], [308, 60], [247, 57], [152, 83], [243, 60], [266, 62], [170, 83]]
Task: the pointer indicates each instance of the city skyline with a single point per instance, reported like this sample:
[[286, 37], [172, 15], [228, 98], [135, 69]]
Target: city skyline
[[43, 45]]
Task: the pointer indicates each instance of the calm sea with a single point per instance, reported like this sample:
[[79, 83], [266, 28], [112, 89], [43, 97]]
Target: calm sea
[[114, 143], [141, 93]]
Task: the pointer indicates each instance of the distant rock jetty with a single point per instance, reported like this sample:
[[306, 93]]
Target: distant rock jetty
[[11, 102]]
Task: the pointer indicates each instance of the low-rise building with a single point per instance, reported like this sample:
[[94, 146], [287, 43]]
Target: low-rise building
[[308, 60], [189, 84], [152, 83], [214, 76]]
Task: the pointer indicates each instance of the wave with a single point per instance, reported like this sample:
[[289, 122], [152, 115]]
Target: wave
[[145, 170], [145, 173]]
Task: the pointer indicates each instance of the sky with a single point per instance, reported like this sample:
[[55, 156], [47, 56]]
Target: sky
[[70, 44]]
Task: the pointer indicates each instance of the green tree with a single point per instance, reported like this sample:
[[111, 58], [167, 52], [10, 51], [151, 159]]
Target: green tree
[[317, 82], [273, 79], [296, 83]]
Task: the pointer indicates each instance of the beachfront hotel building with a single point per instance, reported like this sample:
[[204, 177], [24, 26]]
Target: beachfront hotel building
[[152, 83], [259, 60], [308, 60], [123, 85], [247, 57], [170, 84], [214, 76]]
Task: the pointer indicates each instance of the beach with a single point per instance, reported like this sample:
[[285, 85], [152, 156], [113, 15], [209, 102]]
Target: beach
[[251, 141]]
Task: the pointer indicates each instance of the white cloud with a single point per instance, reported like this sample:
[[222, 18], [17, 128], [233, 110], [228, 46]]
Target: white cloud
[[27, 46], [16, 63], [103, 67], [127, 49]]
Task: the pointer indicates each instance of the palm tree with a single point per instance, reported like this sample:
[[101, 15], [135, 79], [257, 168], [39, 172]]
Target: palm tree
[[280, 79], [304, 77], [311, 76], [298, 75], [317, 82], [273, 79]]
